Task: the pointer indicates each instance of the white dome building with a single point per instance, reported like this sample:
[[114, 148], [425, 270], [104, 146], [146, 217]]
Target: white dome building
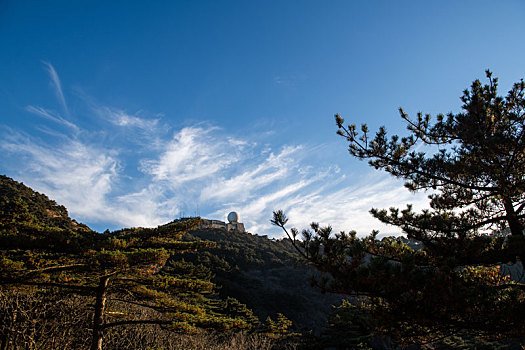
[[232, 224], [233, 217]]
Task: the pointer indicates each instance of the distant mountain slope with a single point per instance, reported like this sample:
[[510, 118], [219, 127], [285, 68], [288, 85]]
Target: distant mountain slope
[[265, 274], [32, 217], [20, 204]]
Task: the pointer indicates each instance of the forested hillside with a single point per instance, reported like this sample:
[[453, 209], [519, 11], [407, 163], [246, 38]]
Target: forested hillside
[[63, 285], [268, 275], [31, 217]]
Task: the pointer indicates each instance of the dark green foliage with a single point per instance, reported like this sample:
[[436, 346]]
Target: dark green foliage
[[349, 328], [475, 168], [29, 219], [276, 328], [233, 308], [245, 251], [20, 204]]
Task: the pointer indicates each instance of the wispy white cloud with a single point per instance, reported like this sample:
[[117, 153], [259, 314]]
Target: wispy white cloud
[[121, 118], [273, 168], [342, 204], [50, 115], [74, 173], [347, 207], [257, 212], [55, 80], [149, 206], [193, 153]]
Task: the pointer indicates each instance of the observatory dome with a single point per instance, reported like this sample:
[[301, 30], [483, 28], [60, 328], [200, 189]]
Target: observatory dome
[[233, 217]]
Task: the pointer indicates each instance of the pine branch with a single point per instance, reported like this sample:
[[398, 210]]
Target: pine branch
[[49, 284], [56, 268], [135, 322]]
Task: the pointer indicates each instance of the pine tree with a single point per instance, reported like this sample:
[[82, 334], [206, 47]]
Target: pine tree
[[41, 247], [347, 328], [277, 328], [475, 170]]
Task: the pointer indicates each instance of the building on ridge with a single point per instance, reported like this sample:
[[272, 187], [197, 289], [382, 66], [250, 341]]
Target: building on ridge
[[232, 224]]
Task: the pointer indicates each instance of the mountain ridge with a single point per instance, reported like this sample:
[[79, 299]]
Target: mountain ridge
[[265, 274]]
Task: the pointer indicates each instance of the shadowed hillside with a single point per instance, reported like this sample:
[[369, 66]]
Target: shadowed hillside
[[265, 274]]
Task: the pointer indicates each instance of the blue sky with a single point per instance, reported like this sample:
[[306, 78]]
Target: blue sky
[[132, 113]]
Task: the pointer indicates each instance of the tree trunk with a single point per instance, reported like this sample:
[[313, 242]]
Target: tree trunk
[[515, 226], [98, 317]]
